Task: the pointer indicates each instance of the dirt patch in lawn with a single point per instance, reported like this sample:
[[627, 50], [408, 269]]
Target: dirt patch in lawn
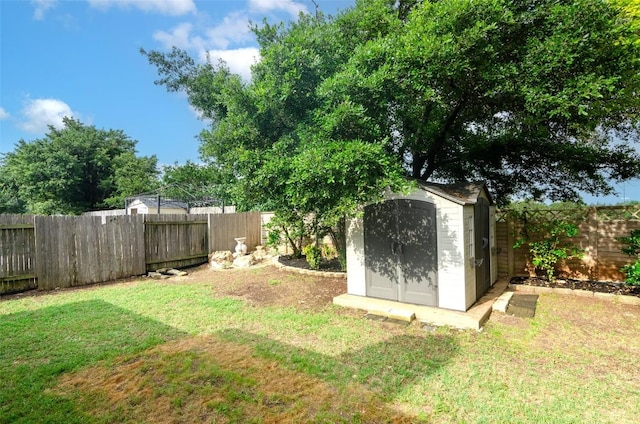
[[260, 285], [206, 379], [270, 286]]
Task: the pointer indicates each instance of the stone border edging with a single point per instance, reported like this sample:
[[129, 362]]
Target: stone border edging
[[620, 298], [315, 273]]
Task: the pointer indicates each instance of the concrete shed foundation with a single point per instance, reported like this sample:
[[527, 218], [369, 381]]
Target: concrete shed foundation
[[472, 319]]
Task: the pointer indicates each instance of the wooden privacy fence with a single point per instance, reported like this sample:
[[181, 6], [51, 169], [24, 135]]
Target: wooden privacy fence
[[75, 251], [17, 253], [599, 227], [226, 227], [64, 251], [174, 241]]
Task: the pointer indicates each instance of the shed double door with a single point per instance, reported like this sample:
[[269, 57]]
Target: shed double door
[[401, 252]]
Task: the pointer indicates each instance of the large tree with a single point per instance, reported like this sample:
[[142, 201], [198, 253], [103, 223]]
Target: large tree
[[536, 97], [266, 133], [196, 183], [74, 169]]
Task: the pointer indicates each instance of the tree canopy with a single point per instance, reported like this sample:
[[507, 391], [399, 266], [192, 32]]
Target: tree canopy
[[527, 95], [72, 170], [195, 182], [536, 97]]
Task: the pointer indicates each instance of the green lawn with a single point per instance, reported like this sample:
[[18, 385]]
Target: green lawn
[[154, 351]]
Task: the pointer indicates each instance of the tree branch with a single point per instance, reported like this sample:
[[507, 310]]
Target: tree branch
[[439, 142]]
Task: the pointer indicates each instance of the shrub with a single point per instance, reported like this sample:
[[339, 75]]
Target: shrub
[[279, 232], [632, 248], [632, 272], [328, 251], [548, 245], [313, 255]]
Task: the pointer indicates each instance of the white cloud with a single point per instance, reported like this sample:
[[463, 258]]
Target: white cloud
[[3, 114], [179, 37], [292, 7], [38, 114], [238, 60], [233, 29], [230, 39], [165, 7], [41, 6]]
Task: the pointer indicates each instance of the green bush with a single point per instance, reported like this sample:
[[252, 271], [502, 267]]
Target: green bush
[[328, 251], [632, 243], [632, 272], [548, 245], [632, 248], [313, 255]]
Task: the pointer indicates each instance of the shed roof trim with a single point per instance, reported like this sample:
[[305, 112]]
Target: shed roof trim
[[164, 203], [461, 193]]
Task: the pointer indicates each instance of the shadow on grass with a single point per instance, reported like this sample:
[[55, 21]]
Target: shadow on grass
[[38, 346], [94, 362], [385, 368], [235, 376]]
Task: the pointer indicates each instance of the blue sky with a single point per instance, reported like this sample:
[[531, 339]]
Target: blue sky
[[81, 58]]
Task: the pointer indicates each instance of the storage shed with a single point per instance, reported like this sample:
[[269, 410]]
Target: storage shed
[[434, 247], [155, 205]]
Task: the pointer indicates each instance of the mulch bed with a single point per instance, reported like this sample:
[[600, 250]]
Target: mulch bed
[[332, 265], [594, 286]]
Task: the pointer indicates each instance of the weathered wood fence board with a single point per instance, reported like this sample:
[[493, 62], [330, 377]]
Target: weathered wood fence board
[[65, 251], [174, 241], [17, 253], [74, 251], [224, 228]]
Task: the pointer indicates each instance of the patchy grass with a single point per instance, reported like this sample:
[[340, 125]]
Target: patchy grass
[[156, 352]]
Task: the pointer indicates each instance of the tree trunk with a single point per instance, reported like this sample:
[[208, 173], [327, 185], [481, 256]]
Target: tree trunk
[[339, 239]]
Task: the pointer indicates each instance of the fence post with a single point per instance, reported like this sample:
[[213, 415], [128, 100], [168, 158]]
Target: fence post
[[210, 232], [592, 247], [511, 260]]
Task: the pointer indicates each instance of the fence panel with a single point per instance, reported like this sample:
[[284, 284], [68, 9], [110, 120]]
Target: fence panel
[[599, 230], [17, 254], [174, 241], [76, 251], [224, 228]]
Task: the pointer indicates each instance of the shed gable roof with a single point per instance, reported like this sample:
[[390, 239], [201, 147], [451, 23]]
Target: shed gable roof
[[461, 193], [150, 202]]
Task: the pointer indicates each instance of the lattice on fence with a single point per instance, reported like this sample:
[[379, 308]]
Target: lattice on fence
[[575, 215], [618, 213]]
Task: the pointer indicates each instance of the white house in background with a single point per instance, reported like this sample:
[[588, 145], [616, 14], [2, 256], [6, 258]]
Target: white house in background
[[155, 205], [434, 247]]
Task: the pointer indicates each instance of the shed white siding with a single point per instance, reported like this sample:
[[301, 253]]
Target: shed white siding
[[455, 226], [451, 251], [356, 283], [141, 208]]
